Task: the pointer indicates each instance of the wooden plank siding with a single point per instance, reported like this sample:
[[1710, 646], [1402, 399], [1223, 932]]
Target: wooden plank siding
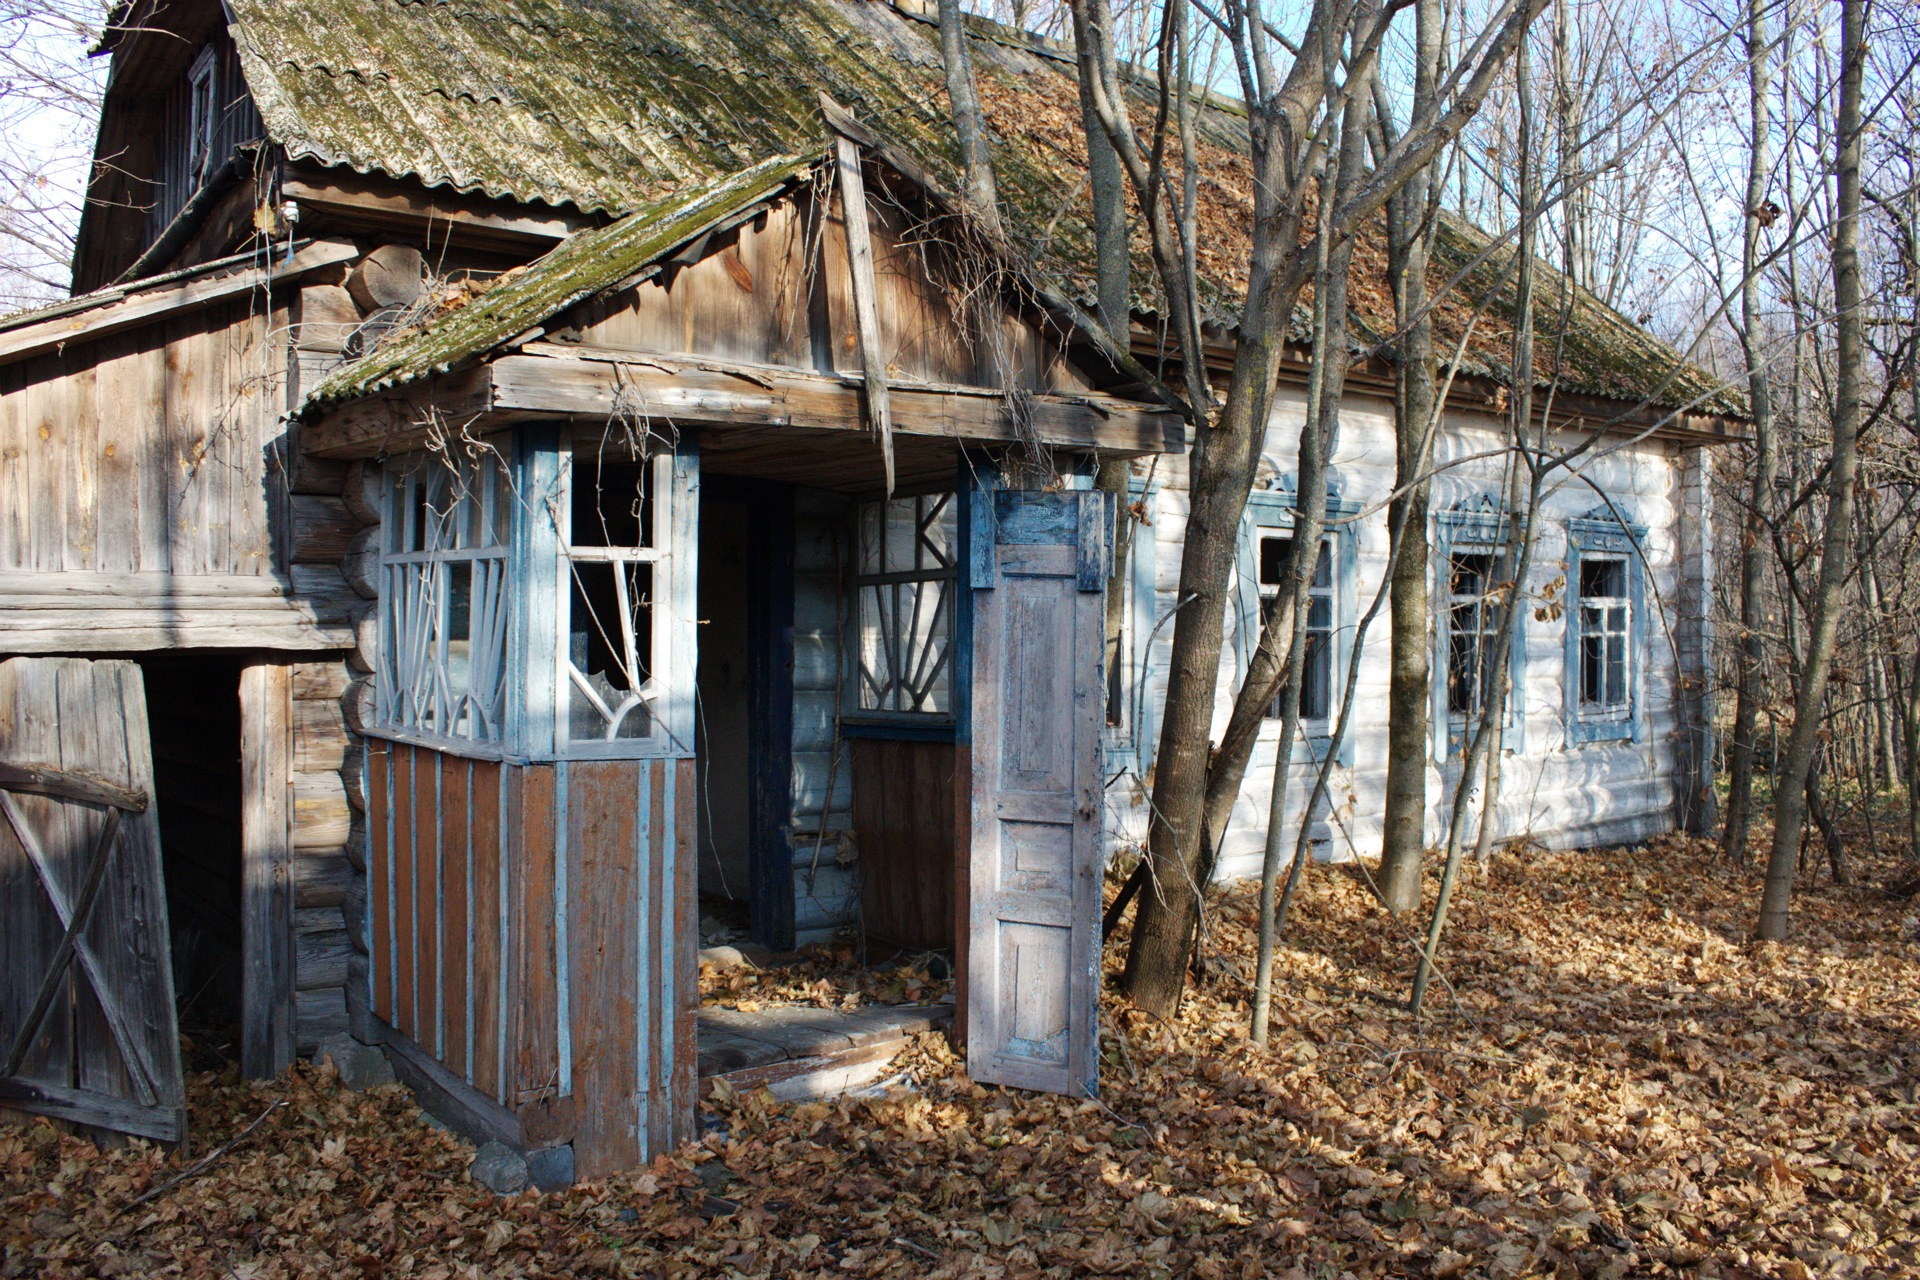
[[543, 938], [534, 929]]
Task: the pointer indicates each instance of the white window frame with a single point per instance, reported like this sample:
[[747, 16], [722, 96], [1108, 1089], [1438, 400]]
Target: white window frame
[[1320, 726], [416, 694], [1614, 616], [569, 681], [1606, 533]]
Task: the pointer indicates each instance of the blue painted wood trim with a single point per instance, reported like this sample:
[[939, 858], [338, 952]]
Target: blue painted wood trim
[[974, 484], [532, 645], [562, 959], [1587, 535], [1482, 527], [943, 730], [1273, 509]]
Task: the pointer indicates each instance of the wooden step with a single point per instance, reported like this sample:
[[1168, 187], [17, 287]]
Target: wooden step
[[797, 1052]]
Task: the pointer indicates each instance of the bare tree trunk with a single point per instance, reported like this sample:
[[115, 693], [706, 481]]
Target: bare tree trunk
[[1882, 760], [1790, 795], [1766, 467], [1409, 231], [1309, 520], [975, 156]]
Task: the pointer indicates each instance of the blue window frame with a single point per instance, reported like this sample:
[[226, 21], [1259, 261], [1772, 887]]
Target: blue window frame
[[1469, 547], [1266, 531], [1606, 629]]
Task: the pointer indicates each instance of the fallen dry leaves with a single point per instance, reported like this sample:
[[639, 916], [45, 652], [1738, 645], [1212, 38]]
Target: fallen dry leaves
[[1624, 1085]]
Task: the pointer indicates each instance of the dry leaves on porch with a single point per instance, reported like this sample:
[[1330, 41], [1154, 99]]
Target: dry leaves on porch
[[1626, 1087]]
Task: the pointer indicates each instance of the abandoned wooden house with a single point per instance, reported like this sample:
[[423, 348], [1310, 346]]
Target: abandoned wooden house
[[553, 472]]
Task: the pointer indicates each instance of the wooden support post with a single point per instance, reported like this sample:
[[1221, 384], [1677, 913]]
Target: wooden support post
[[266, 869], [866, 307]]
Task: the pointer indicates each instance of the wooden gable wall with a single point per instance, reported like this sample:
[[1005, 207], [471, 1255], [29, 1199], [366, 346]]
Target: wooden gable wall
[[777, 291]]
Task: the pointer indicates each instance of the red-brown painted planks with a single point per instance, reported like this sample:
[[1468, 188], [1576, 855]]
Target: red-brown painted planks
[[537, 1000], [662, 938], [405, 838], [455, 922], [904, 809], [488, 972], [379, 868], [427, 817], [603, 906]]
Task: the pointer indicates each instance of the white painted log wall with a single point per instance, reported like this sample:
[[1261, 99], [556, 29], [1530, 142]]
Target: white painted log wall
[[1592, 794], [826, 897]]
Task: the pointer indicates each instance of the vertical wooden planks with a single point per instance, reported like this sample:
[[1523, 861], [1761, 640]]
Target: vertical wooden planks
[[484, 955], [405, 1006], [426, 897], [603, 858], [266, 869], [455, 916], [380, 874], [536, 1002]]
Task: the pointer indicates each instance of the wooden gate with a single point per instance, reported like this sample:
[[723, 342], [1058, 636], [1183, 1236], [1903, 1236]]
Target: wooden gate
[[86, 983], [1039, 568]]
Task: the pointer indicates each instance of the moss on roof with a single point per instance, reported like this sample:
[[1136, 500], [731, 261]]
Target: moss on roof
[[623, 106], [581, 265]]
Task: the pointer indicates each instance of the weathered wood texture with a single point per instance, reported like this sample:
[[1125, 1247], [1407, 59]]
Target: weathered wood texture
[[108, 1055], [327, 846], [903, 808], [266, 870], [146, 500], [1038, 719], [534, 932]]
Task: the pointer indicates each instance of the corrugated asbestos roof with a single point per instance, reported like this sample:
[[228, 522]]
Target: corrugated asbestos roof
[[635, 107], [579, 266]]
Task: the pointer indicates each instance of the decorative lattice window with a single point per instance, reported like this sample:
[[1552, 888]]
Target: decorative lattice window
[[905, 580], [613, 570], [444, 598]]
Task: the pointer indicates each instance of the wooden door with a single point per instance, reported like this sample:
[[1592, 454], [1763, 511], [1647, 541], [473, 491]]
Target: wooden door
[[86, 981], [1038, 568]]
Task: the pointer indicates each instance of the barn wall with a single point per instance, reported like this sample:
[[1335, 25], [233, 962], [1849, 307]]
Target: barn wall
[[531, 928], [1560, 796]]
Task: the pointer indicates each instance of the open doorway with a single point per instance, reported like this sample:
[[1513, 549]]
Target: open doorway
[[193, 718], [744, 730]]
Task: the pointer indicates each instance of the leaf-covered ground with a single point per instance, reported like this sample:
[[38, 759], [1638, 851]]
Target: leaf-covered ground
[[1625, 1085]]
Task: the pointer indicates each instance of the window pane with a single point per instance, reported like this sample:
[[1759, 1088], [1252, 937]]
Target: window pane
[[1463, 660], [1316, 685], [609, 651], [938, 531], [1323, 567], [612, 503], [1320, 613], [1273, 559], [1470, 573]]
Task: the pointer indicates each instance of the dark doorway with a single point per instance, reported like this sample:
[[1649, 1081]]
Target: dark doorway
[[744, 730], [193, 724]]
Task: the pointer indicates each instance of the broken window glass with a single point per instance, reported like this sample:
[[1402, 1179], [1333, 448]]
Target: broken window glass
[[612, 567], [444, 598], [904, 583]]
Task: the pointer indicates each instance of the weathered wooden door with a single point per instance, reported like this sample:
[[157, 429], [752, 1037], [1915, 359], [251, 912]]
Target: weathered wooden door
[[1038, 568], [86, 984]]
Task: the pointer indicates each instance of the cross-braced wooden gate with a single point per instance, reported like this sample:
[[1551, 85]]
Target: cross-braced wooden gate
[[86, 987]]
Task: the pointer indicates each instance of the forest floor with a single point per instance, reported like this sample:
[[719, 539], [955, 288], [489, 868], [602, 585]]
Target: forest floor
[[1622, 1084]]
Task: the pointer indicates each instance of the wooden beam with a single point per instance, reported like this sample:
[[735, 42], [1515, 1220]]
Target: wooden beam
[[68, 784], [133, 309], [548, 380], [437, 216], [866, 305], [266, 870]]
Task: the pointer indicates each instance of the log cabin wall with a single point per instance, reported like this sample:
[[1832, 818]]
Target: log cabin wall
[[533, 930]]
